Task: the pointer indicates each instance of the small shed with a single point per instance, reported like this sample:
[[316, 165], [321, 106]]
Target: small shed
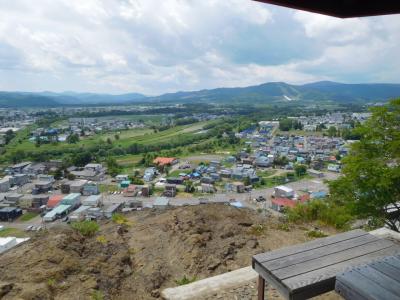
[[79, 214], [91, 188], [92, 201], [125, 183], [161, 203], [114, 208], [57, 212], [13, 197], [77, 186], [10, 213], [72, 199], [170, 190], [283, 191]]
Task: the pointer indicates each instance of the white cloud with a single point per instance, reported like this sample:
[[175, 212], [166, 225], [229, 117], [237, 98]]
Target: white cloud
[[154, 46]]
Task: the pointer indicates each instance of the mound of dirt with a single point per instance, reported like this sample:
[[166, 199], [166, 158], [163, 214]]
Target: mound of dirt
[[158, 249]]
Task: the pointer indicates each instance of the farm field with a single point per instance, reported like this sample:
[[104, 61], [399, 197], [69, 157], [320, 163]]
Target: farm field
[[126, 137]]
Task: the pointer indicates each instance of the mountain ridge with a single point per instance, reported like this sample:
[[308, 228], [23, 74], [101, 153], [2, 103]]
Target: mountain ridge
[[270, 92]]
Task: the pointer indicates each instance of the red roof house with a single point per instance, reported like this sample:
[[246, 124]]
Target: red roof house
[[165, 161]]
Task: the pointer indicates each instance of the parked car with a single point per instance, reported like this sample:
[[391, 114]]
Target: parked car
[[260, 199]]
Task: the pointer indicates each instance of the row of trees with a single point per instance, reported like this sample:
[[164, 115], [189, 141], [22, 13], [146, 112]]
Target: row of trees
[[289, 124]]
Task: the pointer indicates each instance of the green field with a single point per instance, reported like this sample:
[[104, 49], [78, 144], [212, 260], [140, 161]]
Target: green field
[[126, 137], [28, 216], [9, 231]]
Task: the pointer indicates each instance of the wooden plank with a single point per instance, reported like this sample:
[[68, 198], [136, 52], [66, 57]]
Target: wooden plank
[[387, 269], [381, 279], [331, 259], [303, 283], [283, 252], [319, 252], [348, 293], [366, 287], [393, 261], [271, 280]]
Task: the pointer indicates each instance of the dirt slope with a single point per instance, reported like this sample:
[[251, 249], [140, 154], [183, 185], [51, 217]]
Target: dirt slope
[[138, 261]]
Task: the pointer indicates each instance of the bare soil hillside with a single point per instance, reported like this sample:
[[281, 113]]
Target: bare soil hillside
[[137, 261]]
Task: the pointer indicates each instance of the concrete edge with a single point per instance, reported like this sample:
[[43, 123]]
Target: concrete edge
[[235, 278], [386, 233], [210, 285]]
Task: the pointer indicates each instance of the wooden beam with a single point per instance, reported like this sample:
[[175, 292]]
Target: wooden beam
[[261, 287]]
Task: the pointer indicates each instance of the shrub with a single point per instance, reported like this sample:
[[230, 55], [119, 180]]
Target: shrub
[[316, 234], [257, 229], [120, 219], [102, 239], [185, 280], [97, 295], [86, 228], [325, 211], [51, 283], [284, 227]]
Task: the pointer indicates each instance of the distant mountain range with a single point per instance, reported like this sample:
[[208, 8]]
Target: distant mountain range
[[273, 92]]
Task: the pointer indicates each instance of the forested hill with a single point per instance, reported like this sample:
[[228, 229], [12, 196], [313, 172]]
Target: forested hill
[[273, 92]]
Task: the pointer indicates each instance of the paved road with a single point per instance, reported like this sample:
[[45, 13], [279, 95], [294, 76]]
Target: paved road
[[315, 184]]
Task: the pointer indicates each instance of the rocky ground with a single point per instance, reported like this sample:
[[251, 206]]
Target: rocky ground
[[154, 251]]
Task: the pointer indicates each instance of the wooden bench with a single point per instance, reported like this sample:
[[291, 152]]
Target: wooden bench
[[376, 280], [307, 270]]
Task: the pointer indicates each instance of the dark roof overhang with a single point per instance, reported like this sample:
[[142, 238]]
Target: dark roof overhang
[[342, 8]]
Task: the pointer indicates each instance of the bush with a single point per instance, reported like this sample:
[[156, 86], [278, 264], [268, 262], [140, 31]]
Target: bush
[[284, 227], [316, 234], [326, 211], [97, 295], [86, 228], [257, 229], [120, 219], [185, 280]]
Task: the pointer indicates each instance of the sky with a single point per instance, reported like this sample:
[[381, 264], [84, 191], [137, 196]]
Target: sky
[[159, 46]]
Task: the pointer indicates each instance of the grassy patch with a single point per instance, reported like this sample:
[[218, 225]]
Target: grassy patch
[[316, 234], [9, 231], [28, 216], [185, 280], [97, 295], [120, 219], [177, 172], [104, 188], [257, 229], [86, 228]]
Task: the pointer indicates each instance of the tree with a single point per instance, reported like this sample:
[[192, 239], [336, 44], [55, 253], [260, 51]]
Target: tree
[[116, 137], [300, 170], [285, 124], [332, 131], [72, 138], [58, 174], [112, 166], [189, 187], [8, 136], [82, 158], [371, 181], [281, 161]]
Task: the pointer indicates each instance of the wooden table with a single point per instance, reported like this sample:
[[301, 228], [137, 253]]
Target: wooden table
[[377, 280], [307, 270]]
